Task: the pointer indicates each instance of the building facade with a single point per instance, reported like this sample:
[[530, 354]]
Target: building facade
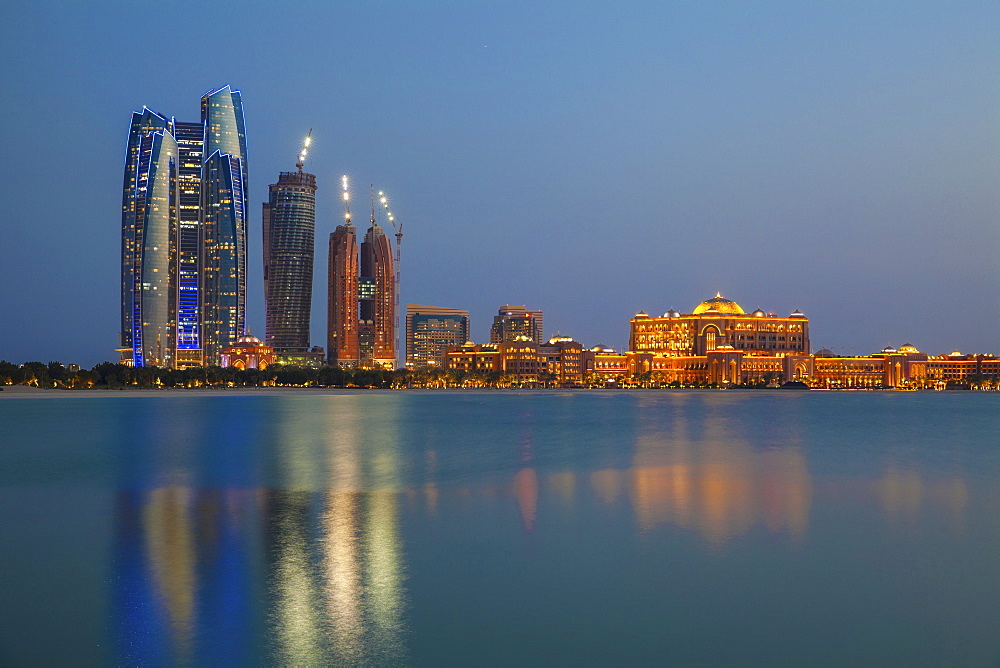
[[361, 313], [289, 225], [223, 222], [513, 322], [430, 330], [342, 297], [560, 362], [183, 273], [247, 352]]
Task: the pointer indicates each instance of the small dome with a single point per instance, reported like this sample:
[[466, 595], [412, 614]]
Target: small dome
[[601, 348], [908, 348], [641, 314], [248, 338], [825, 352], [797, 314], [955, 353], [719, 304], [672, 313], [889, 349], [759, 313]]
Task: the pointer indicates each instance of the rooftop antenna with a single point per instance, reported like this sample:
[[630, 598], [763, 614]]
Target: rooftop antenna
[[398, 229], [305, 149], [347, 199]]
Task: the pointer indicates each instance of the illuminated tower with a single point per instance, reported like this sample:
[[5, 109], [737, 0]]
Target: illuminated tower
[[377, 299], [149, 238], [223, 222], [190, 138], [342, 291], [183, 289], [289, 239], [361, 320]]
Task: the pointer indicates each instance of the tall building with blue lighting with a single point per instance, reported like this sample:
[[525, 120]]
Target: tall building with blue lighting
[[223, 222], [184, 235]]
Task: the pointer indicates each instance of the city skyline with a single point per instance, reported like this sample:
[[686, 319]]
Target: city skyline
[[838, 160]]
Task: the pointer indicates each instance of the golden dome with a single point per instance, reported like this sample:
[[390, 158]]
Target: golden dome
[[720, 304]]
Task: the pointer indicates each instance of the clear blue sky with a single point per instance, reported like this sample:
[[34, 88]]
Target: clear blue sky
[[588, 159]]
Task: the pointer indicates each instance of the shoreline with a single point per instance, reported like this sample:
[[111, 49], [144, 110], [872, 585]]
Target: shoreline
[[25, 391]]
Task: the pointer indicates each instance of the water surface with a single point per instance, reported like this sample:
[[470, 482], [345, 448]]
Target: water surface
[[459, 528]]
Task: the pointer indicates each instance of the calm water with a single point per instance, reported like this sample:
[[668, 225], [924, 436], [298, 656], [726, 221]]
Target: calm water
[[501, 528]]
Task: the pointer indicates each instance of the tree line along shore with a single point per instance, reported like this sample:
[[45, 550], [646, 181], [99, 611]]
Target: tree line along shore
[[109, 375]]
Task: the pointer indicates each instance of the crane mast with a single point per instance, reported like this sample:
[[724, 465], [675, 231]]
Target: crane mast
[[305, 150]]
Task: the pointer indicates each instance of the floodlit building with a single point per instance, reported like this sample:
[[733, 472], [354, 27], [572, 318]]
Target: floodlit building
[[430, 330], [361, 314], [248, 352], [513, 322], [560, 362], [183, 273]]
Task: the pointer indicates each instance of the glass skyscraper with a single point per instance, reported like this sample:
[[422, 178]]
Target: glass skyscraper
[[223, 222], [184, 235], [289, 240], [149, 231]]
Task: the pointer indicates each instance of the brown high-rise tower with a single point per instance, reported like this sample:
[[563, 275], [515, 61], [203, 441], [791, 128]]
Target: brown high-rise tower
[[342, 313], [377, 302]]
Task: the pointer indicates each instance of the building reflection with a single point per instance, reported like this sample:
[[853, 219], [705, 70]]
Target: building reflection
[[710, 478], [904, 493], [311, 573]]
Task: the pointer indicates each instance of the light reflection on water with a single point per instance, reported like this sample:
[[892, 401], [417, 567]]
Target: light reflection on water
[[318, 530]]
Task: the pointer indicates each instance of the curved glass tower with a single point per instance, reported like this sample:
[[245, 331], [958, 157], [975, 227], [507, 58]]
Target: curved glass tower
[[223, 222], [149, 230]]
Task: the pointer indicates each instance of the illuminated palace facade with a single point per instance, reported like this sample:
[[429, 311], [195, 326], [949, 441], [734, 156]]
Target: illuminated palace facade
[[361, 313], [717, 344], [183, 271]]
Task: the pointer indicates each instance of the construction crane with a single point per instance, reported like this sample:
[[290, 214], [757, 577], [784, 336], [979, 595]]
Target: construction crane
[[347, 199], [305, 150], [398, 229]]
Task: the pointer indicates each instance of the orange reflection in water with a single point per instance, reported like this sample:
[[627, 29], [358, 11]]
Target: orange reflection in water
[[716, 483], [526, 491]]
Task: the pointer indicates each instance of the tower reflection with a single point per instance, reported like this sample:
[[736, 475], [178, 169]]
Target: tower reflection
[[310, 573]]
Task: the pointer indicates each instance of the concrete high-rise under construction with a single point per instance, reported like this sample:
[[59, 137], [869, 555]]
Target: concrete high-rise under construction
[[289, 240]]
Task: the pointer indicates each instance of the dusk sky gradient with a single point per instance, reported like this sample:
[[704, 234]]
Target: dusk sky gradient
[[587, 159]]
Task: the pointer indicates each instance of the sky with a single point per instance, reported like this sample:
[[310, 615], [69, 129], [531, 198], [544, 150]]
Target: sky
[[588, 159]]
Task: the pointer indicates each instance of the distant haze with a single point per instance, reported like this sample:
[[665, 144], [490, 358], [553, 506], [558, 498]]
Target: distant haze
[[587, 159]]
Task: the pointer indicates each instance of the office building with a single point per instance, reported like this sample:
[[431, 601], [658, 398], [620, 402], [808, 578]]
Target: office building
[[183, 286], [149, 240], [430, 330], [223, 222], [289, 238], [513, 322]]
